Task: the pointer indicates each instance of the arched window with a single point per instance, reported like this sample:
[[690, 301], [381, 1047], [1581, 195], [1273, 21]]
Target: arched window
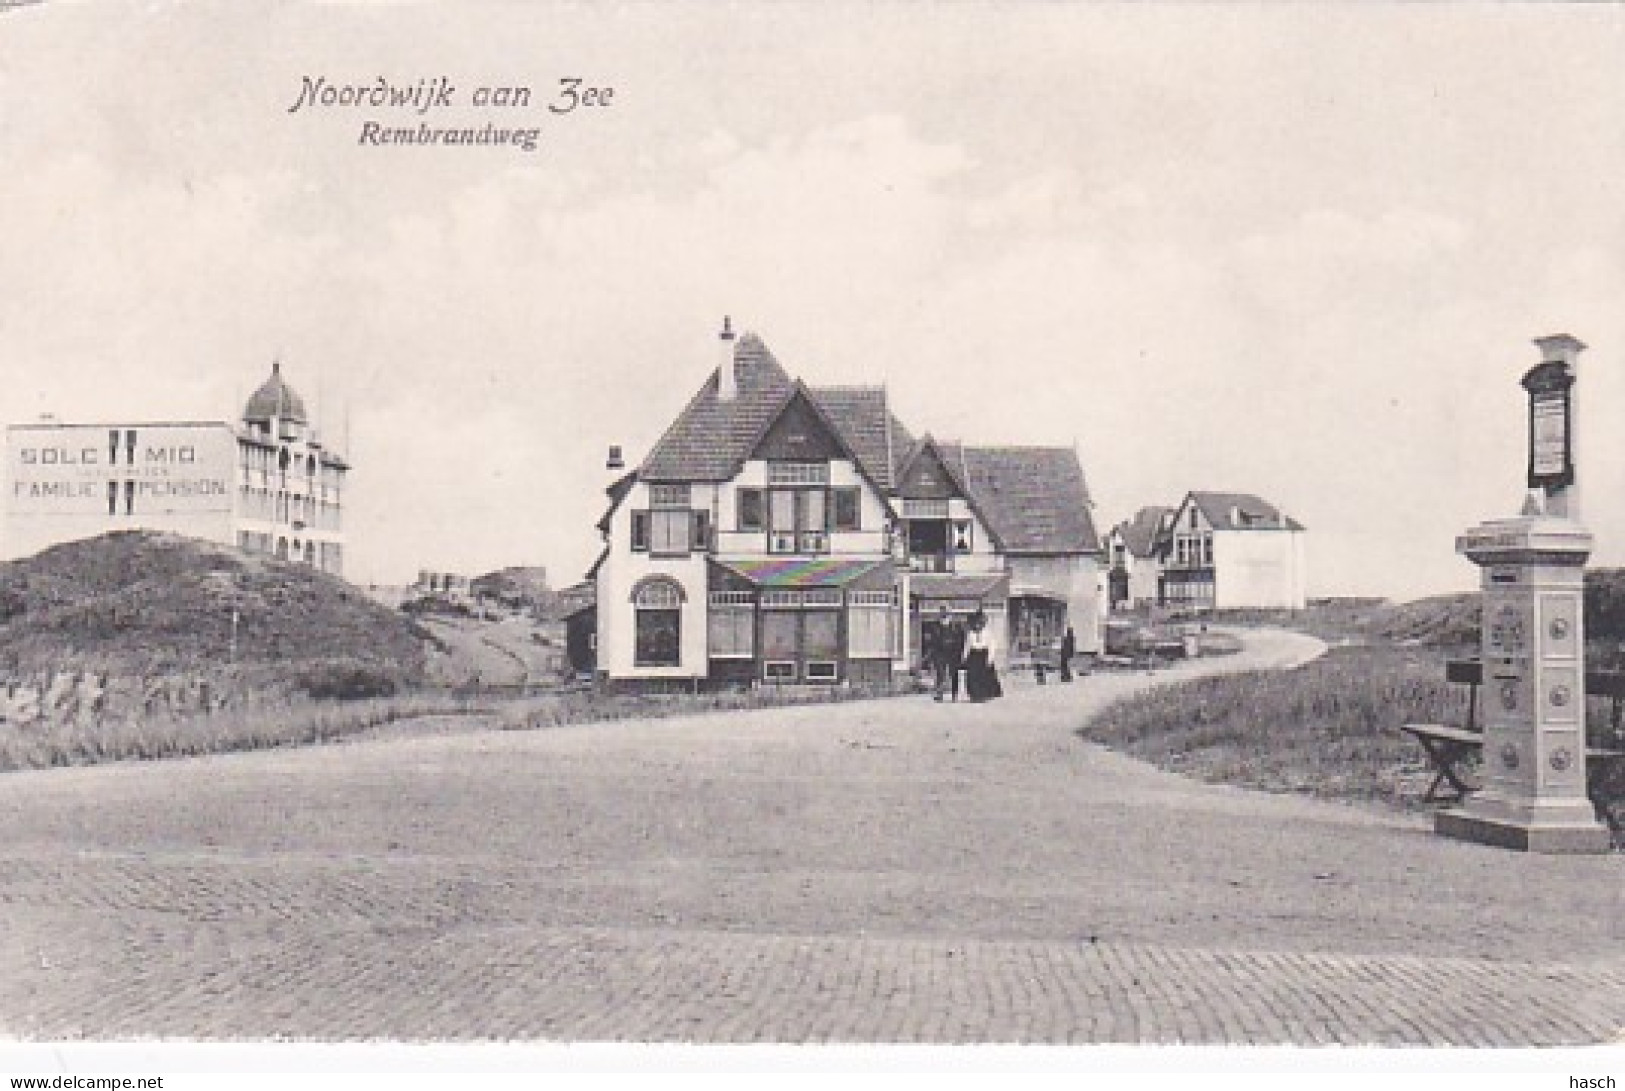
[[657, 602], [658, 593]]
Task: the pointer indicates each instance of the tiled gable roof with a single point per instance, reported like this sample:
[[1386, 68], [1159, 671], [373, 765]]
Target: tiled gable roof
[[859, 413], [1242, 511], [710, 438], [1140, 533], [902, 442], [1034, 499], [949, 455]]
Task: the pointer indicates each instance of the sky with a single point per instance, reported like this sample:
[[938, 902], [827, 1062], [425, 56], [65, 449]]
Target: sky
[[1295, 250]]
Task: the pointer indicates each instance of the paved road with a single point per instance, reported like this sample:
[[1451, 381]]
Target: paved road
[[893, 871]]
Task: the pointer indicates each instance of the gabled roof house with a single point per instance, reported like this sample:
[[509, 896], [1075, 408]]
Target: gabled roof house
[[1134, 558], [784, 533], [1232, 551]]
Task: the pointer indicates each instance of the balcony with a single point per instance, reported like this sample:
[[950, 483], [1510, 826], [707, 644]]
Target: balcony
[[930, 562], [792, 542]]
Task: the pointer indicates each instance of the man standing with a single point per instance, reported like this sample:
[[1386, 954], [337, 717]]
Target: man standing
[[949, 654], [1069, 648]]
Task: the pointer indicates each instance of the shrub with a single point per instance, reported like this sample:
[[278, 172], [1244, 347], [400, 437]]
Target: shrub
[[344, 681], [263, 724]]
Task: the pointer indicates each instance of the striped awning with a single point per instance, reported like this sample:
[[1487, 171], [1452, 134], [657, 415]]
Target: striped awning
[[802, 572]]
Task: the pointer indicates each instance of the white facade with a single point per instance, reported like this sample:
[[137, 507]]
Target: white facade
[[290, 501], [1143, 573], [266, 486], [779, 534], [65, 482], [1233, 551], [624, 569], [1259, 570], [1074, 580], [722, 500]]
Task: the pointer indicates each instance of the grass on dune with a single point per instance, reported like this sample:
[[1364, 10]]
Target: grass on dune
[[1328, 728]]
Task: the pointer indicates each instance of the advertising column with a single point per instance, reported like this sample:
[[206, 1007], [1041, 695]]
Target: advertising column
[[1533, 645]]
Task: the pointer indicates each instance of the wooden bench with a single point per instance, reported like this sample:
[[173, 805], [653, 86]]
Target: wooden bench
[[1448, 747]]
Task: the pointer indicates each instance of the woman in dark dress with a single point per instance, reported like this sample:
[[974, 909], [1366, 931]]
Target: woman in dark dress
[[981, 676]]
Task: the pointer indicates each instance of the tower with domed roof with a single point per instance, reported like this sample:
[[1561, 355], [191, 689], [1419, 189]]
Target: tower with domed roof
[[276, 406], [290, 488]]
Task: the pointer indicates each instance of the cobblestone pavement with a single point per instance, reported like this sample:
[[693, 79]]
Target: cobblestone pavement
[[149, 977], [895, 871]]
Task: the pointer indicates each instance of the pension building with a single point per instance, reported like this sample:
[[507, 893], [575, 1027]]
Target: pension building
[[266, 484]]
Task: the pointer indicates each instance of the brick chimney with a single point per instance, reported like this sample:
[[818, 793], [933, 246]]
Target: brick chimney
[[727, 381], [615, 463]]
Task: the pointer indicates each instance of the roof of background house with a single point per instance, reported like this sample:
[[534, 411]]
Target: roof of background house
[[574, 599], [711, 438], [1140, 532], [1242, 511], [867, 426], [1035, 499]]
